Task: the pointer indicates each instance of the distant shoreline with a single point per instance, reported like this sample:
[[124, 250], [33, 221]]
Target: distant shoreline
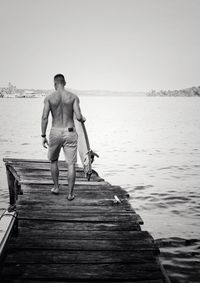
[[108, 95], [13, 92]]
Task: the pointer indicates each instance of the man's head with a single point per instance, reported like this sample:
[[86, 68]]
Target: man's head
[[59, 79]]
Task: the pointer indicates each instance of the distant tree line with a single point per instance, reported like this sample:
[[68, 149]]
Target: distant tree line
[[192, 91]]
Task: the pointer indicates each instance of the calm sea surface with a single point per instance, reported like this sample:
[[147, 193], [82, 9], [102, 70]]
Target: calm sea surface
[[148, 145]]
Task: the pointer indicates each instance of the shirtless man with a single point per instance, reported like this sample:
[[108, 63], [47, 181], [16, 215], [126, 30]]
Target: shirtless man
[[63, 105]]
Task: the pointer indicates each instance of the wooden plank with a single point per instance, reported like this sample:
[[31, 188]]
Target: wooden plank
[[90, 210], [27, 168], [84, 234], [40, 206], [62, 216], [82, 189], [83, 245], [68, 213], [87, 194], [83, 271], [79, 226], [79, 194], [40, 167], [37, 162], [17, 160], [95, 187], [96, 281], [47, 179], [63, 176], [46, 173], [63, 182], [60, 256], [34, 171], [61, 199]]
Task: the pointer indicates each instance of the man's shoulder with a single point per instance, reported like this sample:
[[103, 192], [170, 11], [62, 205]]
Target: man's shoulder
[[46, 99], [72, 95], [49, 97]]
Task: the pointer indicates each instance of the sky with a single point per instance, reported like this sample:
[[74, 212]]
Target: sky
[[122, 45]]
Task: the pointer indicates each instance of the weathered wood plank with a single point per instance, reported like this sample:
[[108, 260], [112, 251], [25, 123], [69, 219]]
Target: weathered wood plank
[[78, 187], [83, 245], [85, 235], [83, 191], [34, 172], [88, 192], [40, 206], [62, 216], [76, 210], [63, 182], [60, 256], [53, 200], [37, 162], [82, 281], [18, 160], [62, 177], [79, 226], [31, 173], [80, 196], [41, 167], [47, 179], [83, 271]]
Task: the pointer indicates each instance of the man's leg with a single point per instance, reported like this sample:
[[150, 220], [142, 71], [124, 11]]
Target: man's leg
[[71, 180], [55, 175]]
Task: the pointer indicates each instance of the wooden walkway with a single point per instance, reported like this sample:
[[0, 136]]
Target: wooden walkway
[[90, 239]]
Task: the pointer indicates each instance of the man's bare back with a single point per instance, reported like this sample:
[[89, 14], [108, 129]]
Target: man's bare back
[[63, 104]]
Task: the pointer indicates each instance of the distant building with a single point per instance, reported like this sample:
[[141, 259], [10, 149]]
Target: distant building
[[11, 88], [29, 93]]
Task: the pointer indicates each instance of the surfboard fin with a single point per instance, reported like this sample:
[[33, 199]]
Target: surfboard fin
[[93, 154]]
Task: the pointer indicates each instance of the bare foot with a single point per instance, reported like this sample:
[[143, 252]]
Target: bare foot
[[70, 197], [55, 191]]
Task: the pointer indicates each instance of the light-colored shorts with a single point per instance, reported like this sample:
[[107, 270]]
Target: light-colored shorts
[[62, 138]]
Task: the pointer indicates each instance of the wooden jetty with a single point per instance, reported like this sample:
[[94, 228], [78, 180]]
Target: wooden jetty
[[94, 238]]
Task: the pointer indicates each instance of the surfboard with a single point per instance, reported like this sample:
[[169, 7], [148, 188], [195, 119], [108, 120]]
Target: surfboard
[[84, 148]]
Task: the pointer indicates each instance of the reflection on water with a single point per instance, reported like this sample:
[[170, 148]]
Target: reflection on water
[[150, 146]]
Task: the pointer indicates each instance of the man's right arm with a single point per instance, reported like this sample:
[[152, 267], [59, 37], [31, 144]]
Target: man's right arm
[[77, 110]]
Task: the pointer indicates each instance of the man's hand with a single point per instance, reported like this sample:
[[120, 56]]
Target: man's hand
[[83, 119], [45, 142]]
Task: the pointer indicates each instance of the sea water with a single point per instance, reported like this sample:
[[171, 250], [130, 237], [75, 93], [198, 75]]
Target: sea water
[[148, 145]]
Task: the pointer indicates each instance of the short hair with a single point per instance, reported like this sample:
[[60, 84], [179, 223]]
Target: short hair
[[60, 79]]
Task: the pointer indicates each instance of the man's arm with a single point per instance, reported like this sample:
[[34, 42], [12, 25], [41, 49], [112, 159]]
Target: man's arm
[[77, 110], [44, 122]]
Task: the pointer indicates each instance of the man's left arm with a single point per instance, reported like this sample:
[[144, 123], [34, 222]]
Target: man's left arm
[[44, 122]]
